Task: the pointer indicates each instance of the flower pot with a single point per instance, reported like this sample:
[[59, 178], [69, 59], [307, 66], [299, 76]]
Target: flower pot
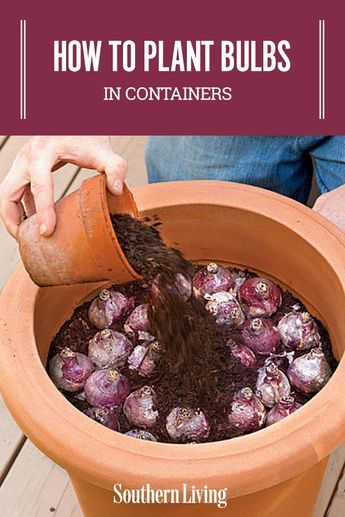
[[276, 471], [84, 246]]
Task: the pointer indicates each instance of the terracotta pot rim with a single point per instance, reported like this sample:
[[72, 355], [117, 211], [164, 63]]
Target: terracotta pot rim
[[99, 184], [275, 447]]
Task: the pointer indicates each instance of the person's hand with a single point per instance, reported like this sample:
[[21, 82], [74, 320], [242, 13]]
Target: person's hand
[[332, 206], [30, 180]]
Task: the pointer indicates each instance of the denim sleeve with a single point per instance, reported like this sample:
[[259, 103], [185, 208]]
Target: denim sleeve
[[329, 163]]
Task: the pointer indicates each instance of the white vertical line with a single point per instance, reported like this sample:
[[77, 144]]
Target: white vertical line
[[323, 69], [21, 68], [24, 71], [22, 38], [320, 69]]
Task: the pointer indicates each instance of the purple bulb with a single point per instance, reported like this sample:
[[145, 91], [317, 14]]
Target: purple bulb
[[107, 308], [225, 308], [69, 370], [260, 335], [247, 412], [144, 358], [260, 297], [109, 349], [282, 409], [139, 408], [243, 353], [298, 331], [212, 279], [310, 372], [138, 321], [104, 416], [272, 385], [185, 425], [106, 388]]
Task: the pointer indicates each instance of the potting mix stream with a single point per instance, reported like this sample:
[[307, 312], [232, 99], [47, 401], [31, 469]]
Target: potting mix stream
[[190, 353]]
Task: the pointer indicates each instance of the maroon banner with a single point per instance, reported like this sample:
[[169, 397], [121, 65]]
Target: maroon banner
[[181, 67]]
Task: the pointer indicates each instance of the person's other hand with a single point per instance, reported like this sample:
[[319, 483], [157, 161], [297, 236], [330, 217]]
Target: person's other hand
[[30, 180], [332, 206]]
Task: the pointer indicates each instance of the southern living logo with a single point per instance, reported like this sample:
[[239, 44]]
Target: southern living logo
[[185, 495]]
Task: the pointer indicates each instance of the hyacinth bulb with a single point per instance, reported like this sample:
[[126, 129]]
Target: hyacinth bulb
[[69, 370], [108, 307], [225, 308], [109, 348], [272, 385], [247, 412], [299, 331], [139, 408], [310, 372], [212, 279], [182, 285], [260, 335], [106, 388], [243, 353], [282, 409], [137, 321], [185, 425], [144, 357], [140, 434], [104, 416], [260, 297]]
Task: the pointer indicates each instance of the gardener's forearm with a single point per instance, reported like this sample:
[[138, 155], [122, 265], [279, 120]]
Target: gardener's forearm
[[29, 180]]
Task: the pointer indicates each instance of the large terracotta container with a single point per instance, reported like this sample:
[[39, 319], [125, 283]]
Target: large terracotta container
[[275, 472]]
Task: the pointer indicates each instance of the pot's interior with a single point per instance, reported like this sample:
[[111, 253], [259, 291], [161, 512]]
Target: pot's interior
[[228, 235]]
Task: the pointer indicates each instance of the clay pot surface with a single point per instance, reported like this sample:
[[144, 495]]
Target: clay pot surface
[[84, 247], [218, 221]]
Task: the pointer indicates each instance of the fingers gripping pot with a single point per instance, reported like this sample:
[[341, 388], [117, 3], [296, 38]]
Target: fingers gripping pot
[[84, 246]]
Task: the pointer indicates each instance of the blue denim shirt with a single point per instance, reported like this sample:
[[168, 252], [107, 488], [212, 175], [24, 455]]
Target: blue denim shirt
[[284, 164]]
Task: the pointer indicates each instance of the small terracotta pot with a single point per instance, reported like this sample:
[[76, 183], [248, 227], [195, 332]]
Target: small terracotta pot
[[84, 247], [274, 472]]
